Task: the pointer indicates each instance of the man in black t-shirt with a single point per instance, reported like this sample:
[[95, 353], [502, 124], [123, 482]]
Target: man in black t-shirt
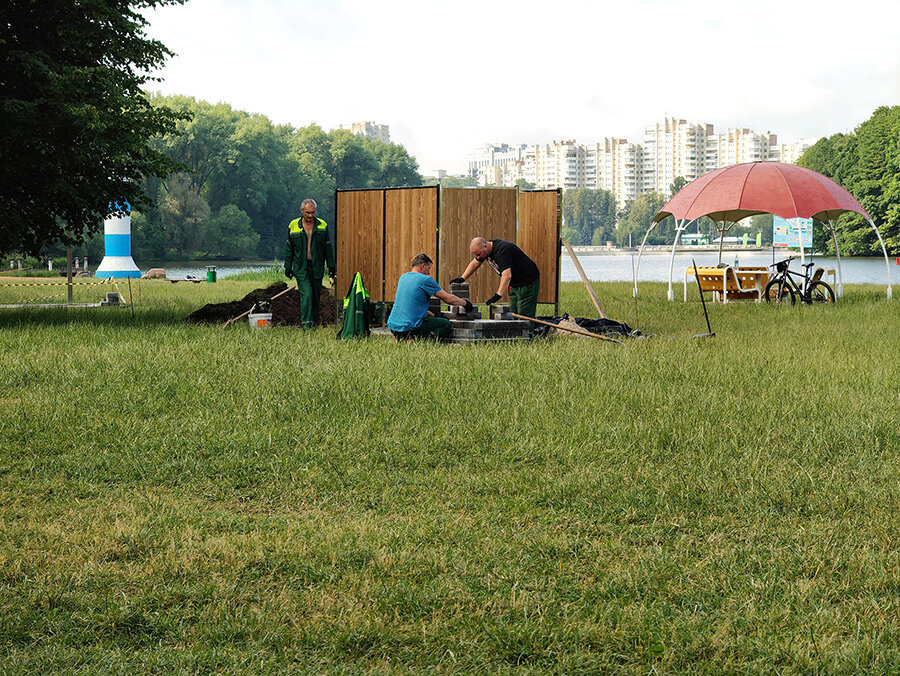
[[518, 273]]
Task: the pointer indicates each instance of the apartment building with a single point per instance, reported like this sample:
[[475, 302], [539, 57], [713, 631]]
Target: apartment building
[[493, 155], [615, 165], [376, 132], [671, 148], [791, 152], [737, 146]]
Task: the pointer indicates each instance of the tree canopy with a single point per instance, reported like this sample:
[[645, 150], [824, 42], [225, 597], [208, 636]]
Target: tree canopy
[[74, 122], [636, 217], [589, 216], [246, 177], [867, 164]]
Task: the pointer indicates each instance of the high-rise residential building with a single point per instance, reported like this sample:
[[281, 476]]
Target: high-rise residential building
[[376, 132], [791, 152], [737, 146], [673, 148], [559, 164], [619, 168], [493, 155]]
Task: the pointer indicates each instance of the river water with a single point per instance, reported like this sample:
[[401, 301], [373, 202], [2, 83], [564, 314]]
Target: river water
[[610, 266]]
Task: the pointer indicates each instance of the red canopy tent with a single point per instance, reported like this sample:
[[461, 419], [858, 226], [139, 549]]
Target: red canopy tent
[[730, 194]]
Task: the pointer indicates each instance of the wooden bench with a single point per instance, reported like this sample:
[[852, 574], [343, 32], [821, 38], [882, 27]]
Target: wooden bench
[[728, 282]]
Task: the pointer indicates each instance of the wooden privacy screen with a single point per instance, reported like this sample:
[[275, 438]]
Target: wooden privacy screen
[[539, 221], [379, 231], [410, 228], [359, 231], [468, 213]]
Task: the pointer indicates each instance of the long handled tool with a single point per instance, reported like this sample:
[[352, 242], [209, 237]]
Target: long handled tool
[[584, 278], [244, 314], [702, 300], [566, 328]]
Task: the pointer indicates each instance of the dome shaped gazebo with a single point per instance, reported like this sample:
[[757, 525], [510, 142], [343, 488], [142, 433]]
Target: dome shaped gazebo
[[730, 194]]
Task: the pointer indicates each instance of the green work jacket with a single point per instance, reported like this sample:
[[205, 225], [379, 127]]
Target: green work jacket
[[320, 250]]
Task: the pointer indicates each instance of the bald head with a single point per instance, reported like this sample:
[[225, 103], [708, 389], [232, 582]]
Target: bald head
[[480, 248]]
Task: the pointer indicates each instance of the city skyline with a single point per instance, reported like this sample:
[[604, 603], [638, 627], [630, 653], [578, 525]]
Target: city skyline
[[446, 79]]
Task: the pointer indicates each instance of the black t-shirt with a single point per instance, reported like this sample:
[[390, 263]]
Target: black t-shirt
[[505, 255]]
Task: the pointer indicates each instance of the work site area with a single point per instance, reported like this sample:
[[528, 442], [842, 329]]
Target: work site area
[[634, 480]]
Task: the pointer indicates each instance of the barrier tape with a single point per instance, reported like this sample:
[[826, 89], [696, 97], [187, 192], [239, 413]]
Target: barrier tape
[[62, 284]]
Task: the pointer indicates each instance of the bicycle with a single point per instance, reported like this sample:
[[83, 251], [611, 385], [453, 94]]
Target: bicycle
[[784, 287]]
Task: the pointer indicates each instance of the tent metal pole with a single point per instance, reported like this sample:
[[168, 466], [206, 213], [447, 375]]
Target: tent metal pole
[[837, 254], [722, 232], [679, 228], [887, 263], [640, 251]]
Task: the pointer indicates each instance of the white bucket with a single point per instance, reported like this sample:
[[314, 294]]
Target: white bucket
[[260, 319]]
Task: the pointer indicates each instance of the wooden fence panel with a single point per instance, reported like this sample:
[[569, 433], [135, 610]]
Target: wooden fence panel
[[474, 212], [410, 228], [359, 230], [539, 222]]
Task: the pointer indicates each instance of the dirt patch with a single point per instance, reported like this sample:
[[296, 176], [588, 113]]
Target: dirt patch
[[285, 309]]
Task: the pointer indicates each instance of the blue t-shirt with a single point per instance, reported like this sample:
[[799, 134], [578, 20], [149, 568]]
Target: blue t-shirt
[[414, 290]]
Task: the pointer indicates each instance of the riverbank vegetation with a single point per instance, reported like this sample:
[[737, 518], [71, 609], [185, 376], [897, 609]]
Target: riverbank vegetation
[[184, 498]]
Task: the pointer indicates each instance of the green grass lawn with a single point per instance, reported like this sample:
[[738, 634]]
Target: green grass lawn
[[185, 498]]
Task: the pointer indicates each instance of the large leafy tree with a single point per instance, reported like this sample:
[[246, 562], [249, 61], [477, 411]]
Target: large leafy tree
[[867, 164], [74, 122], [252, 175], [589, 216], [637, 216]]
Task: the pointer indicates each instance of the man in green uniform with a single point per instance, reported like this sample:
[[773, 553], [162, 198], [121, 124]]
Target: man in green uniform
[[305, 256]]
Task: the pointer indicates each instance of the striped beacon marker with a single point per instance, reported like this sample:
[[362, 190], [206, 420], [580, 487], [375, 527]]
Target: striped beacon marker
[[117, 260]]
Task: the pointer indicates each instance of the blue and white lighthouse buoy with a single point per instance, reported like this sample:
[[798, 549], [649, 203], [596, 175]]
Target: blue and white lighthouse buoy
[[117, 260]]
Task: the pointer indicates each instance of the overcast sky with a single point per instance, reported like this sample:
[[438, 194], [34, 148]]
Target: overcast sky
[[449, 76]]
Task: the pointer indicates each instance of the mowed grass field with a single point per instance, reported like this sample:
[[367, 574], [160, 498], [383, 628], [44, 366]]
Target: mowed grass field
[[181, 498]]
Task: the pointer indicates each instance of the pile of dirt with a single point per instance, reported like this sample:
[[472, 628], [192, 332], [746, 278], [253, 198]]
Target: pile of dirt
[[285, 309], [600, 326]]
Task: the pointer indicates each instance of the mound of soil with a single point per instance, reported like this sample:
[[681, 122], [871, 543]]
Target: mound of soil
[[285, 309], [606, 327]]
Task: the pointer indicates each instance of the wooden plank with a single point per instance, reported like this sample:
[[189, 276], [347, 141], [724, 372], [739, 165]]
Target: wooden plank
[[410, 228], [359, 230], [538, 236], [584, 279], [467, 213]]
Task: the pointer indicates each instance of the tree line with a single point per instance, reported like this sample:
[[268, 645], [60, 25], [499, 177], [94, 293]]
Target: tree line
[[867, 164], [245, 178]]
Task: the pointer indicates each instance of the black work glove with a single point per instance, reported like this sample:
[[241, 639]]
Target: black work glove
[[457, 280], [493, 299], [468, 307], [288, 273]]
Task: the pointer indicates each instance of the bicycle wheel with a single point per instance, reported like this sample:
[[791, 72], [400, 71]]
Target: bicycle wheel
[[820, 292], [778, 291]]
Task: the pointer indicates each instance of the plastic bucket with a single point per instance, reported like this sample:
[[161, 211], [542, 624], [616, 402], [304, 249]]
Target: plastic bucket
[[260, 319]]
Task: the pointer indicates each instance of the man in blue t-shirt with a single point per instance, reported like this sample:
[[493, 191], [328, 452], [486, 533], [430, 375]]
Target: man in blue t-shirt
[[410, 317]]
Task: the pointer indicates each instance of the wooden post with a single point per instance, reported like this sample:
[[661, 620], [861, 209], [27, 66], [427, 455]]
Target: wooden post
[[69, 274], [584, 278]]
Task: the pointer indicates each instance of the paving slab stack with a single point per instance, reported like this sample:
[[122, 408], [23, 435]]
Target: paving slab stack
[[471, 328]]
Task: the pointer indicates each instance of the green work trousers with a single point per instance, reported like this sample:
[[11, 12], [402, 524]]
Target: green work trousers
[[310, 289], [523, 299], [437, 328]]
